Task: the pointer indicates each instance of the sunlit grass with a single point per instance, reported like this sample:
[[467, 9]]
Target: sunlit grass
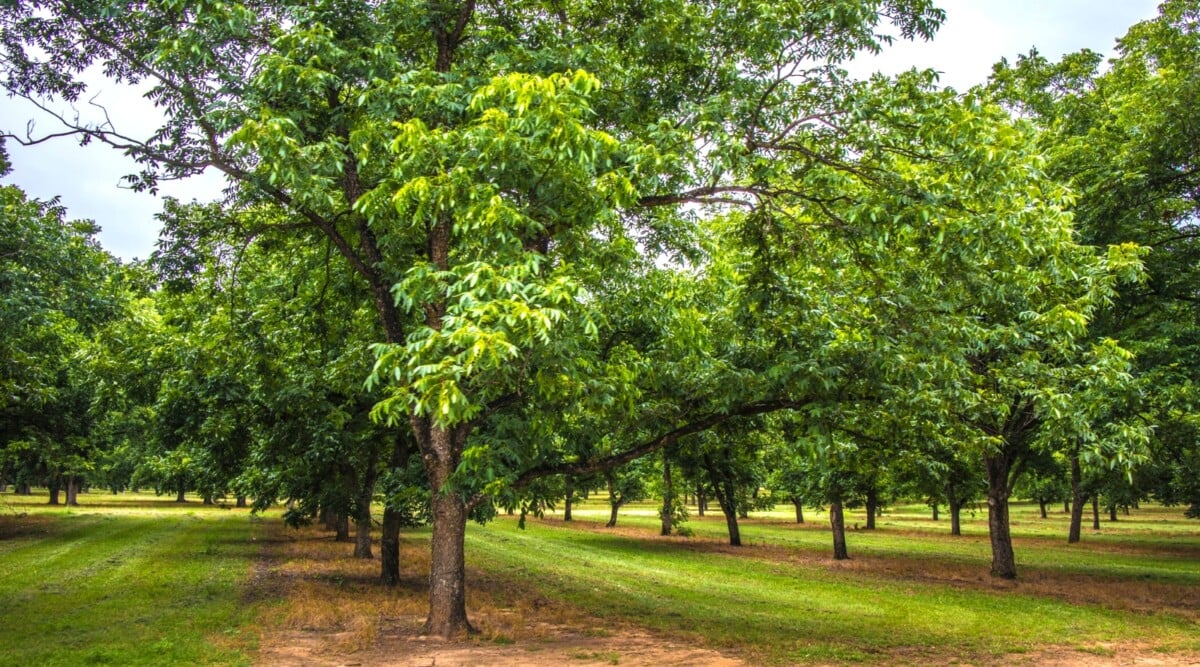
[[124, 580], [777, 610]]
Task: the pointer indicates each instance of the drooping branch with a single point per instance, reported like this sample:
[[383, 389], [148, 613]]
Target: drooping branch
[[650, 445]]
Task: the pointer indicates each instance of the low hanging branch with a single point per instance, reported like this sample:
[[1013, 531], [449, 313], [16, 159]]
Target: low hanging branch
[[647, 447]]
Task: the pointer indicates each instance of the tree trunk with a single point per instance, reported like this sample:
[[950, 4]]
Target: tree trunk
[[1067, 506], [447, 569], [799, 508], [343, 527], [72, 491], [1042, 505], [837, 521], [1004, 563], [389, 547], [613, 503], [24, 490], [54, 488], [569, 482], [241, 501], [362, 512], [181, 495], [1073, 533], [1095, 511], [701, 503], [872, 506], [389, 541], [728, 502], [668, 496], [936, 517], [1112, 512], [955, 504]]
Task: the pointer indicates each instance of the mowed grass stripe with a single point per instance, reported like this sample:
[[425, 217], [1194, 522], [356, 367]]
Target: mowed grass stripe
[[110, 588], [779, 612], [1170, 560]]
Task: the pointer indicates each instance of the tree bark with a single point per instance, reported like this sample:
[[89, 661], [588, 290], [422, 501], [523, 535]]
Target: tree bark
[[872, 506], [955, 504], [362, 512], [447, 569], [668, 496], [613, 503], [72, 491], [241, 501], [181, 495], [1073, 533], [1095, 511], [799, 508], [343, 527], [441, 452], [701, 503], [934, 506], [569, 482], [389, 547], [728, 502], [837, 521], [54, 488], [1112, 512], [1004, 563]]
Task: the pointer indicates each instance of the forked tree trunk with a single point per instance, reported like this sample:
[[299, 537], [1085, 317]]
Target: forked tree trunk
[[1095, 511], [614, 503], [569, 482], [668, 496], [799, 508], [1004, 563], [1076, 527], [837, 521]]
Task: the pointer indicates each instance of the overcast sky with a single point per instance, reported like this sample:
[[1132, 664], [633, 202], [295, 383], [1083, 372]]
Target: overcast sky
[[976, 34]]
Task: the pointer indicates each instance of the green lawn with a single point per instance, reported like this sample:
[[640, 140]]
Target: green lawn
[[779, 611], [135, 580], [124, 581]]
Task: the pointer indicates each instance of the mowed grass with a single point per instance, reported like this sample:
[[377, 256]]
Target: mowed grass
[[124, 580], [139, 580], [910, 593]]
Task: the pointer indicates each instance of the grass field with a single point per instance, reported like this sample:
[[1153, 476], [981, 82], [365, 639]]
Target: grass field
[[126, 580], [134, 580]]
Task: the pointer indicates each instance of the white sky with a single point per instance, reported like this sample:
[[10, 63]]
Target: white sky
[[976, 34]]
